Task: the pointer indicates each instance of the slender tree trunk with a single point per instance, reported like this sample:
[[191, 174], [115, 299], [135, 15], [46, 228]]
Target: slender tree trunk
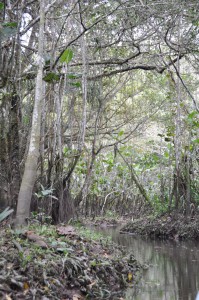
[[14, 150], [30, 172], [177, 139]]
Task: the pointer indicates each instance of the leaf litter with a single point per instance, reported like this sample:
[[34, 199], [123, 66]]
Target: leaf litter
[[48, 262]]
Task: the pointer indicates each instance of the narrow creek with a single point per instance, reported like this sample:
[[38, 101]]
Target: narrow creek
[[173, 272]]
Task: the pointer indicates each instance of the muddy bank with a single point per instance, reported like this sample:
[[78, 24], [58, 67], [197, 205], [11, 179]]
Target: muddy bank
[[104, 222], [48, 262], [168, 226]]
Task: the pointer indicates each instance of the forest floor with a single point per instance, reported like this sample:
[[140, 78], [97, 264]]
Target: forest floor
[[174, 226], [60, 262]]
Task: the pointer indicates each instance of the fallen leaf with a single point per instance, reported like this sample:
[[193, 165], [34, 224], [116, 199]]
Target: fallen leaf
[[26, 285], [91, 284], [77, 297], [106, 255], [68, 230], [130, 277], [31, 236], [8, 297], [42, 244]]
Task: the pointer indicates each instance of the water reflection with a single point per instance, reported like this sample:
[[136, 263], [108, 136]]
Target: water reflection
[[174, 267]]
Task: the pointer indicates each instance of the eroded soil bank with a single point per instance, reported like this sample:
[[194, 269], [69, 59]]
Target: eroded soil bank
[[48, 262], [168, 226]]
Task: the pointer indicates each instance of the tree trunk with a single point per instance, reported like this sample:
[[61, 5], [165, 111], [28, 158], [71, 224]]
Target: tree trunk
[[30, 172]]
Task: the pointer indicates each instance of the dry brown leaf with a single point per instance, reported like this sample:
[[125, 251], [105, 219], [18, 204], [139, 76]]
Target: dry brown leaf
[[26, 285], [42, 244], [106, 255], [67, 230], [130, 276], [77, 297], [31, 236], [91, 284]]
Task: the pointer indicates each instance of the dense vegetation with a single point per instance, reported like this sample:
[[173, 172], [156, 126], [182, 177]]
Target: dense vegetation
[[98, 107]]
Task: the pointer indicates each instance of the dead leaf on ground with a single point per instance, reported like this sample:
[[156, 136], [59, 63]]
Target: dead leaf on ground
[[26, 285], [77, 297], [92, 284], [106, 255], [130, 276], [42, 244], [67, 230], [31, 236]]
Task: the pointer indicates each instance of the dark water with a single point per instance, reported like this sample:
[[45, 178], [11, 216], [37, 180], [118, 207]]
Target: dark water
[[173, 272]]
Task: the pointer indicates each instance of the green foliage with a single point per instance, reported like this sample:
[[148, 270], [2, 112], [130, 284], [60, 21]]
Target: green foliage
[[51, 77], [5, 213], [158, 205], [45, 192], [76, 84], [1, 6], [73, 76], [66, 56], [92, 235], [110, 214], [25, 259], [8, 29], [40, 217], [10, 24]]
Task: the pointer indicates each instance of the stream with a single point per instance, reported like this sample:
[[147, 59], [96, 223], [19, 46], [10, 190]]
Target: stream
[[173, 272]]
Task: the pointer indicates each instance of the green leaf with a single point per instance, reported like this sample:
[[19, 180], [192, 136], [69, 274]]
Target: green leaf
[[166, 154], [192, 115], [196, 141], [38, 195], [73, 76], [1, 6], [10, 24], [50, 77], [46, 192], [5, 213], [66, 56], [121, 133], [76, 84], [93, 263]]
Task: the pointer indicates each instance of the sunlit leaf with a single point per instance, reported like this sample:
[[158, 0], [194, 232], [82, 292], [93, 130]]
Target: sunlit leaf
[[196, 141], [130, 276], [192, 115], [166, 154], [46, 192], [26, 286], [66, 56], [121, 133]]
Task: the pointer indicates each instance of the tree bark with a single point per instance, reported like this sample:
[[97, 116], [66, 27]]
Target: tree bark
[[30, 172]]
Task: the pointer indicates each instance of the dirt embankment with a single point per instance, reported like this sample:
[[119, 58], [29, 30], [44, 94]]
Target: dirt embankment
[[168, 226], [48, 262]]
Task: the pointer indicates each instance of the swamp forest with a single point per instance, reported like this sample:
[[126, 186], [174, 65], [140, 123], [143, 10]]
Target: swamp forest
[[99, 149]]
